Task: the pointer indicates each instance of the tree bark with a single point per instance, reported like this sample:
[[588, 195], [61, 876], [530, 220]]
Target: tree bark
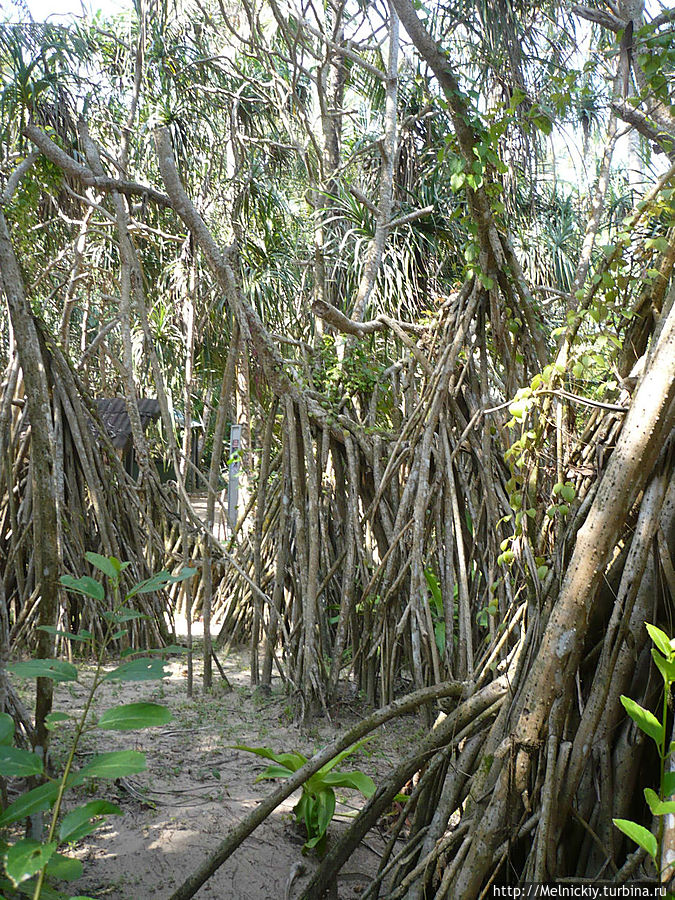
[[648, 424], [45, 525]]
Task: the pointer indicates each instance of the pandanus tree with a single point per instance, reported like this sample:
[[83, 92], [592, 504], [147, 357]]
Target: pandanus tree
[[460, 480]]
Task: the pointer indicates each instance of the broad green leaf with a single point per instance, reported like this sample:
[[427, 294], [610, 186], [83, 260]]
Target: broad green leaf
[[117, 566], [123, 614], [640, 835], [116, 764], [155, 583], [657, 806], [6, 729], [64, 868], [134, 715], [275, 772], [665, 666], [318, 814], [568, 493], [439, 636], [300, 807], [78, 823], [84, 585], [143, 669], [668, 784], [33, 801], [325, 809], [644, 719], [310, 815], [312, 842], [103, 564], [660, 639], [434, 590], [53, 720], [543, 123], [160, 581], [345, 753], [118, 634], [292, 761], [25, 858], [357, 780], [20, 763], [55, 669], [59, 633]]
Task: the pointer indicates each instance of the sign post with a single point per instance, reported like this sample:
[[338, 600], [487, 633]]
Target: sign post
[[234, 464]]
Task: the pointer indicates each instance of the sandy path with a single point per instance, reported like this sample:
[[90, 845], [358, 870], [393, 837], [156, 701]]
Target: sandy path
[[196, 787]]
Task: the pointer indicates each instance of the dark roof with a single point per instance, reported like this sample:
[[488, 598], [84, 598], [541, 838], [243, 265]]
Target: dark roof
[[114, 415]]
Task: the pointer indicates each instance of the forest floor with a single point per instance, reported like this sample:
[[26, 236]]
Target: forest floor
[[197, 787]]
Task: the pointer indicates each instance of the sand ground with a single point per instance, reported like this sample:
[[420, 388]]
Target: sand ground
[[196, 787]]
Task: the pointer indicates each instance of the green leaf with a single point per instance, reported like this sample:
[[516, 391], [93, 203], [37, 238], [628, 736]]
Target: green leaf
[[20, 763], [84, 585], [64, 868], [357, 780], [668, 784], [640, 835], [275, 772], [25, 858], [143, 669], [657, 806], [665, 666], [312, 842], [292, 761], [434, 590], [543, 123], [132, 716], [439, 636], [568, 493], [159, 581], [54, 719], [325, 809], [33, 801], [660, 243], [660, 640], [645, 720], [345, 753], [124, 614], [103, 564], [6, 729], [78, 823], [300, 808], [116, 764], [55, 669], [118, 634], [59, 633]]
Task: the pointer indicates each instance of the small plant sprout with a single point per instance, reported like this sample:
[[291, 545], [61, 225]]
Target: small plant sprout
[[28, 862], [316, 807], [663, 654]]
